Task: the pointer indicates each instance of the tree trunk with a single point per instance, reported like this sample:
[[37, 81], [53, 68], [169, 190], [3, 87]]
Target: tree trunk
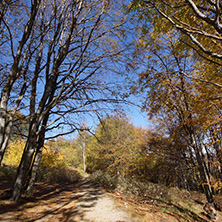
[[14, 74], [38, 156], [204, 174], [34, 170], [8, 126], [5, 143], [3, 110], [24, 168], [84, 156]]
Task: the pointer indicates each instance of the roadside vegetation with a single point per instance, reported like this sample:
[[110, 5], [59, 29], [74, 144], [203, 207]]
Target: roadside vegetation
[[144, 200], [45, 175], [148, 200]]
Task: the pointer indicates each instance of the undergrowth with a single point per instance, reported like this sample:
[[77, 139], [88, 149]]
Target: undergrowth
[[57, 175], [129, 186], [165, 201], [8, 173], [54, 175]]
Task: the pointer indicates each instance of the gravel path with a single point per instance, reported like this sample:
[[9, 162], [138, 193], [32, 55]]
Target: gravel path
[[81, 202], [98, 207]]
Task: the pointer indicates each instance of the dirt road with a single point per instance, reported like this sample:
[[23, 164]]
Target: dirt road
[[81, 202]]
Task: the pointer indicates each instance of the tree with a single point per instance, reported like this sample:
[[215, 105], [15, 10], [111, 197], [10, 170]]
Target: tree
[[114, 147], [198, 20], [170, 95], [184, 86], [69, 56], [15, 67], [53, 154], [196, 25], [82, 142]]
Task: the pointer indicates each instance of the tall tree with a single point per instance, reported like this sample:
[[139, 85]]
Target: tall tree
[[198, 20], [114, 147], [14, 68], [74, 44], [185, 81]]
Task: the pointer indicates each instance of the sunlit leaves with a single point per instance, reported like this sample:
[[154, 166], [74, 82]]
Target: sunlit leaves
[[14, 153]]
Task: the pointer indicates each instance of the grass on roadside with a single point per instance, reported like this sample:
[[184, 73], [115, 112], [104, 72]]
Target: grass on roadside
[[53, 175], [152, 201]]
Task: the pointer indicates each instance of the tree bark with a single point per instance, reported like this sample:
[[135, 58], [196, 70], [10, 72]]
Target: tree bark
[[204, 174], [24, 168], [38, 155], [8, 126], [34, 170]]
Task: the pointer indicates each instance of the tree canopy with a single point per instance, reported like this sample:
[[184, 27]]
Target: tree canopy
[[65, 62]]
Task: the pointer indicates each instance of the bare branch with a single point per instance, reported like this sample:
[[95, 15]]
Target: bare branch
[[201, 80]]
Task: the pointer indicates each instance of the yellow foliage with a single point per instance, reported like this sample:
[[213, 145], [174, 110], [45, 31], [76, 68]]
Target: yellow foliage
[[14, 153], [52, 157]]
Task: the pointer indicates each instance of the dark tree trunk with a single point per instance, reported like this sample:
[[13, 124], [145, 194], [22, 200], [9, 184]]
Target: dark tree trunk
[[38, 156], [24, 169], [34, 170]]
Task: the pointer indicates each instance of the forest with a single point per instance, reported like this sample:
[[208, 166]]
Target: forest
[[70, 71]]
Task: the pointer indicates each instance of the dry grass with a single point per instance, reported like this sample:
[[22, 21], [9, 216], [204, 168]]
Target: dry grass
[[154, 202], [56, 175], [146, 201]]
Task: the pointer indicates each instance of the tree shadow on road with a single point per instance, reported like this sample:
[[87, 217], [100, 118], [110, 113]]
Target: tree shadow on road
[[50, 202]]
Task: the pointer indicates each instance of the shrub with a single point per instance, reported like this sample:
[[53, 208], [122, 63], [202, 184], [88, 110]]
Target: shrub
[[104, 179], [57, 175], [133, 187], [8, 173], [129, 186]]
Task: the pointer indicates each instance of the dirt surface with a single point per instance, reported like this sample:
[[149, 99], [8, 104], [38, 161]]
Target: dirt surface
[[67, 202], [84, 202]]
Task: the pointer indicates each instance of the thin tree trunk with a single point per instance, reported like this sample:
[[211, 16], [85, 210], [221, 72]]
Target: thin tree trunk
[[3, 110], [14, 74], [204, 174], [84, 156], [34, 170], [9, 125], [184, 180], [5, 143]]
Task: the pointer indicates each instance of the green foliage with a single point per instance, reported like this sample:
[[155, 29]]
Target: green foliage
[[56, 153], [62, 152], [72, 155], [53, 155], [122, 149], [53, 175], [115, 146]]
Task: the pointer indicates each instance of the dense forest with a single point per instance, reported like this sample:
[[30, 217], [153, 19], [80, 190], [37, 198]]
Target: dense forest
[[74, 67]]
